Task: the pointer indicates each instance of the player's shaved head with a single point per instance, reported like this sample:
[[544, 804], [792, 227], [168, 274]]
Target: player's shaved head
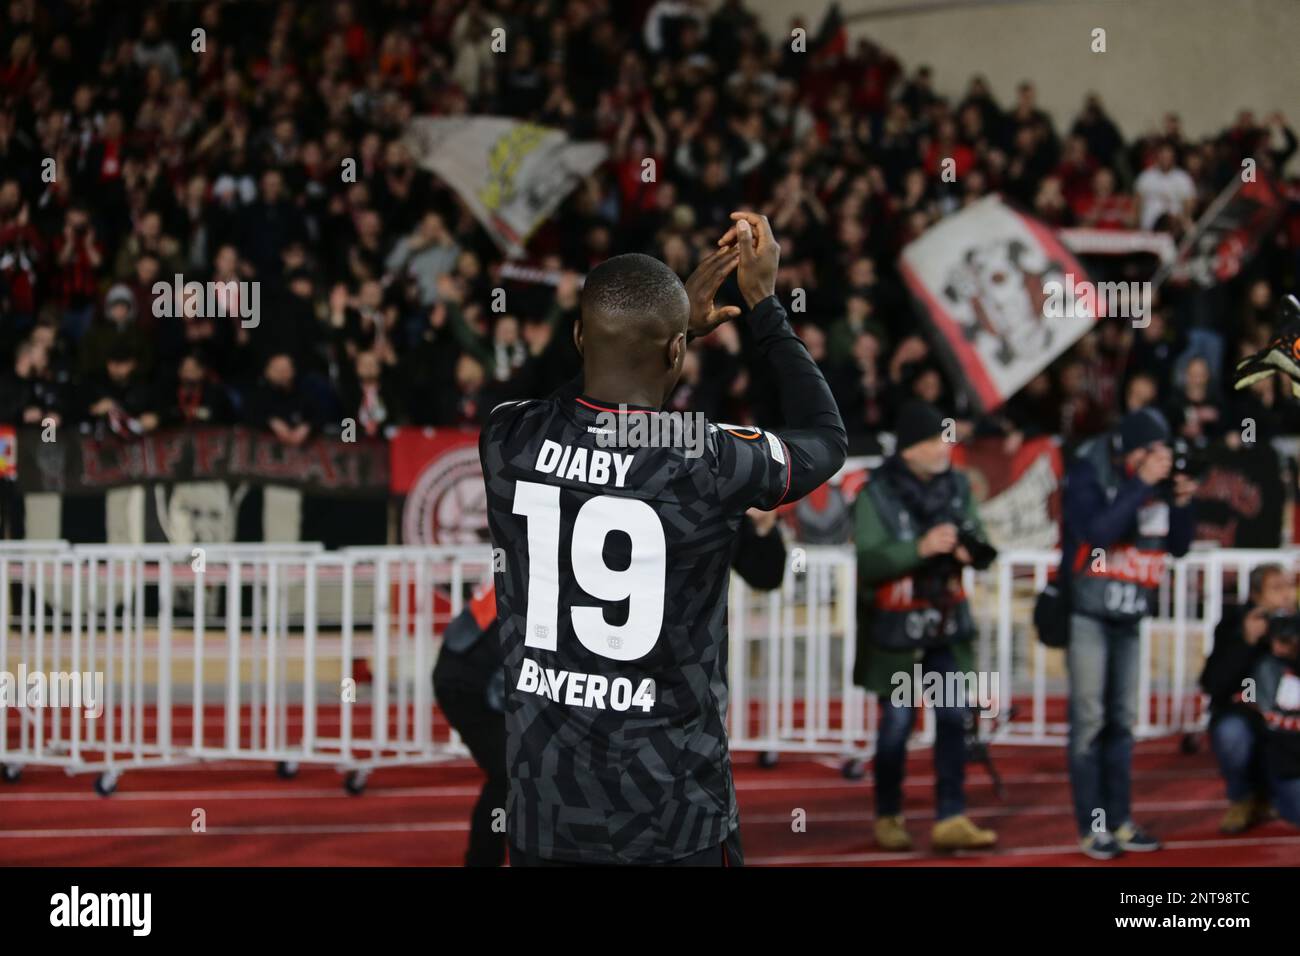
[[634, 316], [634, 295]]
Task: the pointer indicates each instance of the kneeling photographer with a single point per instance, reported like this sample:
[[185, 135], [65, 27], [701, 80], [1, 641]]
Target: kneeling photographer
[[916, 526], [1237, 729], [1277, 696], [1124, 507]]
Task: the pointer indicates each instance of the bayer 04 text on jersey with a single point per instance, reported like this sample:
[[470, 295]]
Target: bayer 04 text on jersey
[[585, 690]]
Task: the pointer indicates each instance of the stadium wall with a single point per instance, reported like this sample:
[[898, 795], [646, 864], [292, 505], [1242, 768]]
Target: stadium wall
[[1203, 59]]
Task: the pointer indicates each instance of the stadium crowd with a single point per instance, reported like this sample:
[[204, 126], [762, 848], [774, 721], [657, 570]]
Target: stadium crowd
[[226, 164]]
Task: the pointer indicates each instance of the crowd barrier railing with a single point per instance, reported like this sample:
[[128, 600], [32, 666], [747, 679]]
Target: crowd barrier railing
[[282, 654], [292, 655]]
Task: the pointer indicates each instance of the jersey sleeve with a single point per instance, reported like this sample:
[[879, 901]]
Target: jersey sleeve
[[753, 467]]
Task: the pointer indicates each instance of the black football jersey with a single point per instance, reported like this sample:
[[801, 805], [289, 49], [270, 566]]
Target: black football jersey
[[612, 603]]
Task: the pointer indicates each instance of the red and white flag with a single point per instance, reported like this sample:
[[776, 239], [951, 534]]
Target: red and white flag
[[983, 279]]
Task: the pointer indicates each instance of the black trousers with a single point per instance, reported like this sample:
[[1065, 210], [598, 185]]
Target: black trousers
[[484, 732], [727, 853]]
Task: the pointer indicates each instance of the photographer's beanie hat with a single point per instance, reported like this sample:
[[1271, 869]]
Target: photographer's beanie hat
[[917, 422], [1142, 427]]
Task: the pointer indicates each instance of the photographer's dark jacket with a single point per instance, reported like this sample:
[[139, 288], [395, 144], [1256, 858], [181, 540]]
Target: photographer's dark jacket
[[1230, 663], [470, 660], [1130, 522], [907, 604], [1277, 698]]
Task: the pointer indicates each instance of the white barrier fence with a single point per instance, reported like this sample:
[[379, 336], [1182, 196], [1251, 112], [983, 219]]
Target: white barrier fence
[[284, 654], [792, 653], [292, 655]]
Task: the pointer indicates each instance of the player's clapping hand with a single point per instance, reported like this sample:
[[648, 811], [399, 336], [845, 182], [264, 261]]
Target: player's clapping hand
[[702, 286], [760, 254]]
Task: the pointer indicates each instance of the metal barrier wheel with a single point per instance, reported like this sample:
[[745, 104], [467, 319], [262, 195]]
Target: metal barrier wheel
[[355, 782], [768, 759], [13, 772], [286, 770], [106, 783], [853, 769]]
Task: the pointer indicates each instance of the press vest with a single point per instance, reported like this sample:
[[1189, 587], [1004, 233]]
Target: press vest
[[1119, 583], [900, 618]]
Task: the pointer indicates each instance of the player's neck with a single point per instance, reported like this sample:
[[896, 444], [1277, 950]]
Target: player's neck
[[621, 391]]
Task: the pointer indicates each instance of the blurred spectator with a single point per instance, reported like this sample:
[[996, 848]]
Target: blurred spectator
[[466, 406], [116, 331], [1098, 131], [271, 223], [148, 237], [1153, 351], [1101, 207], [1164, 192], [78, 258], [280, 405], [195, 399], [290, 325], [119, 398], [28, 392], [425, 256], [1197, 412], [369, 397], [1141, 392]]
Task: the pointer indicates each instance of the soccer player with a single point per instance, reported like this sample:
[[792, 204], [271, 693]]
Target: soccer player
[[468, 679], [613, 598]]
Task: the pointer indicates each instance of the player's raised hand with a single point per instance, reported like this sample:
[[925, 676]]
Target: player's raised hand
[[702, 286], [760, 254]]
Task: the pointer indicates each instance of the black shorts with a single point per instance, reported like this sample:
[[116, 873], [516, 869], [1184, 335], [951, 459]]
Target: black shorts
[[727, 853]]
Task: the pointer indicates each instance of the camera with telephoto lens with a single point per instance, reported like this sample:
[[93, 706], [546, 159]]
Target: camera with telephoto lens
[[982, 554], [937, 580], [1189, 460], [1284, 626]]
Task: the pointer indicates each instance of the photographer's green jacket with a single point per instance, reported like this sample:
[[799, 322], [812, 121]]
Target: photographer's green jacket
[[884, 557]]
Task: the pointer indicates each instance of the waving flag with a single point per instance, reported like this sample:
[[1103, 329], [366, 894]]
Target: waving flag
[[983, 279], [511, 174]]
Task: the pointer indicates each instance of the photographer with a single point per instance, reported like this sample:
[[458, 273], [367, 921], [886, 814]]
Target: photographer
[[1124, 508], [916, 526], [1237, 730], [1277, 697]]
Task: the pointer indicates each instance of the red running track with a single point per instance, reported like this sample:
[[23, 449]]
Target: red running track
[[418, 817]]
